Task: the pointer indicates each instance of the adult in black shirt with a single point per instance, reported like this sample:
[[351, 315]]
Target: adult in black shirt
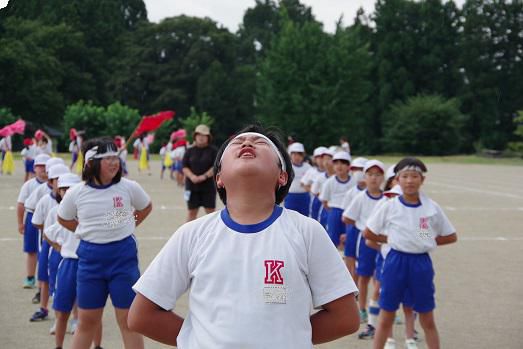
[[198, 164]]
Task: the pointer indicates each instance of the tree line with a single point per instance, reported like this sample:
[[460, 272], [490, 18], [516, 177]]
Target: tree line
[[423, 77]]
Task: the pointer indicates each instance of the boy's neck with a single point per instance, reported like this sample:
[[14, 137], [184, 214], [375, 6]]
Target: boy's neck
[[250, 207], [374, 191], [411, 198], [343, 176]]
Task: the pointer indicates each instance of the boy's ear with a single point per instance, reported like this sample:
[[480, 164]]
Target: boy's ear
[[219, 183], [282, 179]]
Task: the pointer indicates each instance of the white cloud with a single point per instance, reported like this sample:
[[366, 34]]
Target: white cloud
[[3, 3]]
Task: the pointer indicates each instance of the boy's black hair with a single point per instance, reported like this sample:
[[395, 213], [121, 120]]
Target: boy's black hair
[[344, 161], [275, 136], [388, 184], [92, 171], [410, 161]]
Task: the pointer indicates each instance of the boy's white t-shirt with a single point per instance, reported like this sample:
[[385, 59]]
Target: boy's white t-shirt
[[27, 188], [410, 228], [362, 207], [178, 153], [44, 206], [36, 195], [309, 176], [105, 213], [333, 191], [318, 182], [299, 172], [57, 233], [250, 286], [350, 195]]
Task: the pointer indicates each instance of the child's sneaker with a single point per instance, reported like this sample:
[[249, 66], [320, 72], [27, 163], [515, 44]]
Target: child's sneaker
[[390, 344], [411, 344], [36, 298], [52, 330], [39, 315], [368, 333], [29, 283], [363, 316], [73, 323]]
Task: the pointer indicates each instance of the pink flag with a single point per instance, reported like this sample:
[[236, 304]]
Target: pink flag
[[16, 127]]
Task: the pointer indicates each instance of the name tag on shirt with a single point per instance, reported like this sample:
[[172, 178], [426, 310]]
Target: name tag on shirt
[[275, 294]]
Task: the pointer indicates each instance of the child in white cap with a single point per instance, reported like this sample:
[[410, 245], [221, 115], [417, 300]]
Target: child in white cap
[[413, 225], [48, 259], [298, 198], [318, 182], [25, 227], [357, 214], [67, 243], [254, 270], [317, 170], [332, 193]]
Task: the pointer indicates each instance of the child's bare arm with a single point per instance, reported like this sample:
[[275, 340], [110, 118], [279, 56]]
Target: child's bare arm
[[369, 235], [152, 321], [347, 220], [373, 244], [445, 240], [337, 319], [68, 224]]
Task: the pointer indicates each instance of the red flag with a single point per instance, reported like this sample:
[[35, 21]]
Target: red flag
[[153, 122], [16, 127]]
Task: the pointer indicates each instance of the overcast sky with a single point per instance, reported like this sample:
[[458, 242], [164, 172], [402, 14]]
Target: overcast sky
[[230, 12]]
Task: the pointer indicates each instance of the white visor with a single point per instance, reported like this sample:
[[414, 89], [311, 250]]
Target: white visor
[[92, 154]]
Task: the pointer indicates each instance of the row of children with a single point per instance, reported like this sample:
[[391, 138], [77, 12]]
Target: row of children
[[171, 156], [41, 143], [387, 226], [80, 234]]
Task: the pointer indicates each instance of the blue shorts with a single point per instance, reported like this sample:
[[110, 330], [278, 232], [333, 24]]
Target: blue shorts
[[54, 260], [74, 158], [29, 166], [30, 235], [107, 269], [324, 216], [298, 202], [43, 262], [315, 208], [403, 273], [366, 259], [178, 166], [335, 226], [65, 291], [379, 266], [351, 240]]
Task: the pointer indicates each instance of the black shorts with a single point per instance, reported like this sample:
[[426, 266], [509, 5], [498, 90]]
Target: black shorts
[[205, 198]]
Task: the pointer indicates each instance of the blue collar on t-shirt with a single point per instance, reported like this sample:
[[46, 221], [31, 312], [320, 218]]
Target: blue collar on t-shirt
[[96, 186], [402, 200], [250, 228], [343, 182], [372, 197]]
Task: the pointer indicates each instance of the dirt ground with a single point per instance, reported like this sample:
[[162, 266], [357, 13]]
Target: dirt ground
[[479, 282]]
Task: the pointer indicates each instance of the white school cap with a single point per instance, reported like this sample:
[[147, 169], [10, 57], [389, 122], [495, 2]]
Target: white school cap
[[374, 163], [359, 162], [319, 151], [41, 159], [53, 161], [68, 180], [296, 148], [57, 170], [390, 172], [395, 190], [341, 155]]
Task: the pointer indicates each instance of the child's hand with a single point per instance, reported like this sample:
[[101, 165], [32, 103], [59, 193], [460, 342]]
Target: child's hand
[[21, 228]]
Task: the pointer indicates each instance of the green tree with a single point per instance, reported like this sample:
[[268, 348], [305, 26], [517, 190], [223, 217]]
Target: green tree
[[425, 125], [86, 116], [194, 119]]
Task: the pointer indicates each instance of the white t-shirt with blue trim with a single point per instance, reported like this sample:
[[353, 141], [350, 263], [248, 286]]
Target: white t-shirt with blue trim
[[105, 213], [27, 188], [333, 191], [299, 172], [410, 228], [362, 207], [250, 286], [57, 233], [39, 192], [43, 208]]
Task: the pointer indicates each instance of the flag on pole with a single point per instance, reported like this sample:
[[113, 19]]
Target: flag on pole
[[16, 127], [153, 122]]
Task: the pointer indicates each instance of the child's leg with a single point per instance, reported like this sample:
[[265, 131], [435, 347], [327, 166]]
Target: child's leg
[[88, 321], [30, 265], [384, 329], [363, 286], [429, 327], [61, 327], [97, 341], [350, 262], [131, 340], [44, 294], [409, 321], [374, 307]]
